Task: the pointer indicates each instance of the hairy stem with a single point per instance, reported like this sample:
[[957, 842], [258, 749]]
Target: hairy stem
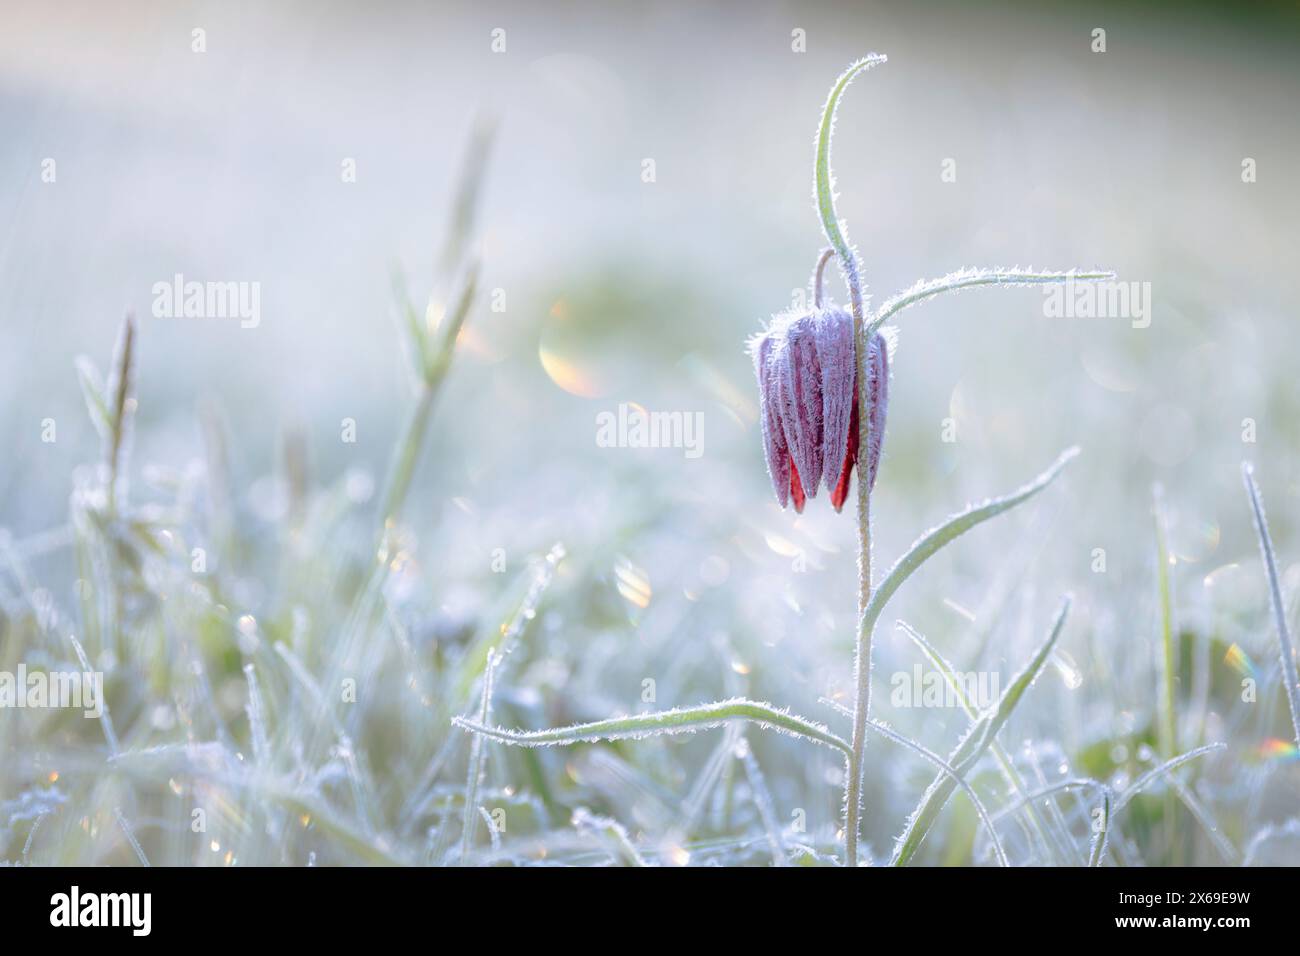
[[818, 274], [824, 190]]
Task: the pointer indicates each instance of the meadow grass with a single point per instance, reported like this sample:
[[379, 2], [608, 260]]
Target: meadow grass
[[275, 695]]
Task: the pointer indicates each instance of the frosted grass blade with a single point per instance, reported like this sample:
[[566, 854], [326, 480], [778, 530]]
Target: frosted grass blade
[[974, 744], [1286, 651], [684, 720]]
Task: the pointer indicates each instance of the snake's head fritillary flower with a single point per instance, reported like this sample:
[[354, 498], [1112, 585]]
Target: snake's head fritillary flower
[[808, 403]]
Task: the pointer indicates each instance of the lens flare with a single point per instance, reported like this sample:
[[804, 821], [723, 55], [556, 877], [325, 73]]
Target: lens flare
[[1276, 749], [1239, 661]]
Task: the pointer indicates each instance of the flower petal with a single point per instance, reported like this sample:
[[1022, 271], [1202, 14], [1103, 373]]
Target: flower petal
[[775, 452], [878, 389], [841, 490], [796, 491], [799, 386], [834, 331]]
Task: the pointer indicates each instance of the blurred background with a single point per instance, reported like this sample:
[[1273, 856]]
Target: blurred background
[[599, 287]]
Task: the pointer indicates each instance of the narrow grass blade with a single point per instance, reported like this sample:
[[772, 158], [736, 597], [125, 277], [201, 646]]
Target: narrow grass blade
[[406, 456], [31, 836], [708, 778], [763, 800], [130, 837], [256, 717], [416, 337], [1288, 830], [1101, 830], [92, 390], [612, 832], [1156, 772], [1275, 595], [684, 720], [121, 389], [1051, 789], [1206, 819], [1005, 763], [105, 719], [1165, 693], [469, 187], [449, 326], [974, 744], [1169, 665], [956, 777], [973, 278], [493, 835], [476, 762]]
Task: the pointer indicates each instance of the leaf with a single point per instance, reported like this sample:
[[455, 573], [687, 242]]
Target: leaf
[[971, 278], [92, 390], [763, 802], [684, 720], [1004, 760], [1275, 596], [130, 837], [438, 357], [121, 389], [824, 183], [417, 346], [476, 762], [611, 832], [956, 778], [973, 744], [1156, 772], [1169, 664], [468, 189], [930, 543], [1101, 835]]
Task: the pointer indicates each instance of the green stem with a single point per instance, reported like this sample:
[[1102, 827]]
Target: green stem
[[407, 455], [1168, 725], [1169, 666], [825, 193]]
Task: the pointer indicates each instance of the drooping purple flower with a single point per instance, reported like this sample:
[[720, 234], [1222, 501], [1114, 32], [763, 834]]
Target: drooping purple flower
[[808, 403]]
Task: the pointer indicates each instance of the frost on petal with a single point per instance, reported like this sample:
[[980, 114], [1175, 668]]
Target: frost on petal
[[775, 452], [799, 387], [834, 336], [878, 390]]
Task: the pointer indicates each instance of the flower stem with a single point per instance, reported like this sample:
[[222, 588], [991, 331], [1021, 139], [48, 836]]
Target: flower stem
[[818, 272], [407, 455], [825, 195]]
